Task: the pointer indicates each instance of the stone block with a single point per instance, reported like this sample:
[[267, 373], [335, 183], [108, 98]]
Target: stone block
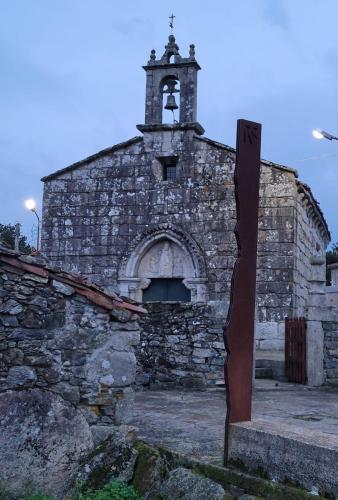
[[183, 483], [119, 366], [314, 354], [271, 345], [218, 345], [202, 353], [124, 406], [11, 307], [63, 288], [266, 330], [68, 392], [21, 376]]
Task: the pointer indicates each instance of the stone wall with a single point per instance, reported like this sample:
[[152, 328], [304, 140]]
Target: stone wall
[[94, 216], [182, 345], [103, 214], [275, 259], [55, 340], [310, 262], [330, 352]]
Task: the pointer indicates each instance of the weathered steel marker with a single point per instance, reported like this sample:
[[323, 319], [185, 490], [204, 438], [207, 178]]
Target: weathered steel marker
[[240, 325]]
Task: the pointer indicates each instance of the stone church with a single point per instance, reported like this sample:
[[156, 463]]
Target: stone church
[[153, 218]]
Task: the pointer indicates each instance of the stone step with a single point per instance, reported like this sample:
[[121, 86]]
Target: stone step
[[263, 373], [315, 454], [262, 363], [269, 367]]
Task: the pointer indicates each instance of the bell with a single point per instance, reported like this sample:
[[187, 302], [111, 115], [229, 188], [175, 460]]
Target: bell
[[171, 103]]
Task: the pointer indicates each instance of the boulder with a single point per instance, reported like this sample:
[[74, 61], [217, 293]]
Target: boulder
[[42, 440], [185, 485], [114, 458]]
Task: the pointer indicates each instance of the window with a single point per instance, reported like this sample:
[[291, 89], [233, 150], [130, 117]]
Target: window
[[169, 167], [166, 290], [169, 172]]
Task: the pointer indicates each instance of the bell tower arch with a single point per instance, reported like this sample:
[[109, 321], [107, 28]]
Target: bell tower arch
[[171, 77]]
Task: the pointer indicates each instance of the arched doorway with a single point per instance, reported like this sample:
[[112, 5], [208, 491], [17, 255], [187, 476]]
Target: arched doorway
[[163, 267]]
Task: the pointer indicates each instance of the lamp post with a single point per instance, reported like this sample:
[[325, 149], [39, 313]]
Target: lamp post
[[321, 134], [31, 205]]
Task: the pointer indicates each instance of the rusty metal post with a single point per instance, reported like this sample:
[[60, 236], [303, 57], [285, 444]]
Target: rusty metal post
[[239, 328]]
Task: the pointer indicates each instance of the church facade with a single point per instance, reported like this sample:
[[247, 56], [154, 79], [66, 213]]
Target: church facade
[[153, 218]]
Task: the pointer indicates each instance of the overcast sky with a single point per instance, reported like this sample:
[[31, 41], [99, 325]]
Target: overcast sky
[[71, 83]]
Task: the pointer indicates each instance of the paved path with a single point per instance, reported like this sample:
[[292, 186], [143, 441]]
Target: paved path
[[192, 422]]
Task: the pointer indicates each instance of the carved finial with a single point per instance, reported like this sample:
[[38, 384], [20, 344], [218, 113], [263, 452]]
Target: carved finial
[[192, 51], [153, 55], [171, 23]]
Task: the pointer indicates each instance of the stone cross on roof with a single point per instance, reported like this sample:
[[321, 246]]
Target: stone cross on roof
[[171, 22]]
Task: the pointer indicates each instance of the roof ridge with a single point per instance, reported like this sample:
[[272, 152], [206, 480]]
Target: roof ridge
[[92, 157], [233, 150]]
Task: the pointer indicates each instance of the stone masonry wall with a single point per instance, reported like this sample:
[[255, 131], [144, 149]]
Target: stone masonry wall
[[182, 345], [93, 214], [54, 340], [275, 260], [310, 245], [330, 352]]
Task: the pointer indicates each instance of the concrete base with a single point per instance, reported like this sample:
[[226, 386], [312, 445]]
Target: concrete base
[[304, 457]]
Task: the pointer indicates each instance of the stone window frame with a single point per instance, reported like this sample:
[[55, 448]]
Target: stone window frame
[[166, 161]]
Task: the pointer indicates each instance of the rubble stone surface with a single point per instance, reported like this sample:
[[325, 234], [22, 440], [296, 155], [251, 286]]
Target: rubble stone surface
[[42, 440], [184, 484]]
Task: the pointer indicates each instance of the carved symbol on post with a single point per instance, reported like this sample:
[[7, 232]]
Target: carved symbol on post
[[249, 134]]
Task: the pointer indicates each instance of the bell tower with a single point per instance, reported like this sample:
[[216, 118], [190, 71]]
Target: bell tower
[[171, 84]]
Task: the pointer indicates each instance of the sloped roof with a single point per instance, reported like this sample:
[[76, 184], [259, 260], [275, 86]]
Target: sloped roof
[[220, 145], [40, 267], [306, 190], [95, 156]]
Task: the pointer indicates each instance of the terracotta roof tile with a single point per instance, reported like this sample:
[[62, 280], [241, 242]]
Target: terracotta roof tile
[[39, 266]]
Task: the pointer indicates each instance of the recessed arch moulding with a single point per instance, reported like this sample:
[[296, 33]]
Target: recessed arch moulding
[[163, 253]]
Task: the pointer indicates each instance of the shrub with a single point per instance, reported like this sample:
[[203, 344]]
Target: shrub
[[36, 496], [115, 490]]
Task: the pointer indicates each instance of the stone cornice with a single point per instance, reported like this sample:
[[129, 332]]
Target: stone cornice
[[316, 212], [154, 127]]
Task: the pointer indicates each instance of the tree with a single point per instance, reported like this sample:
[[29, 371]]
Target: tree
[[331, 258], [7, 239]]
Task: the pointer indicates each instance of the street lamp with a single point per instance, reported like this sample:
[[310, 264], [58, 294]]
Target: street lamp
[[321, 134], [31, 205]]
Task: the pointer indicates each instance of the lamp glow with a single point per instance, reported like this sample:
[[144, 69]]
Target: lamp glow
[[30, 204], [318, 134]]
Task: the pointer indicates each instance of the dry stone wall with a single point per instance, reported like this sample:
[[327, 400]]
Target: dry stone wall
[[55, 340], [182, 345]]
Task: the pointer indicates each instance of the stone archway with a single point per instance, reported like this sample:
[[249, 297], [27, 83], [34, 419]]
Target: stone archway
[[163, 253]]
